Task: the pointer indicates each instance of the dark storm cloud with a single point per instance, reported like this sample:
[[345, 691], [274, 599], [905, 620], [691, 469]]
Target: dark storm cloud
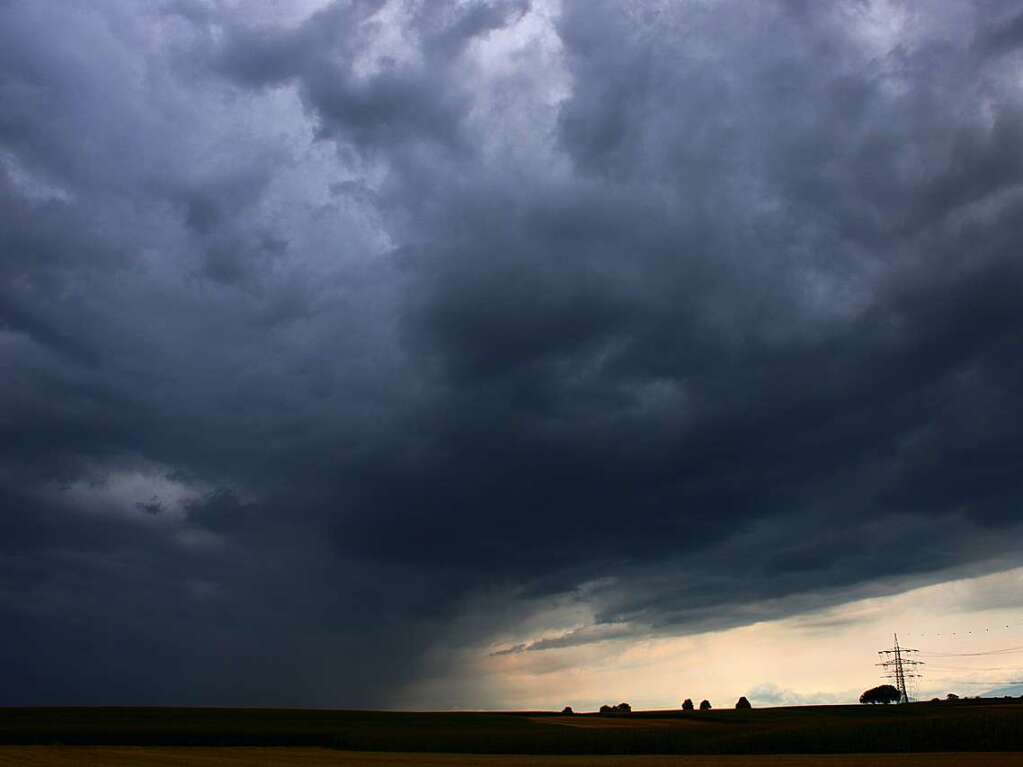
[[422, 101], [1002, 36], [317, 331]]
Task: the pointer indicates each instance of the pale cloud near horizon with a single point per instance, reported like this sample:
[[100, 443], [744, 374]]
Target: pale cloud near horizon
[[822, 656]]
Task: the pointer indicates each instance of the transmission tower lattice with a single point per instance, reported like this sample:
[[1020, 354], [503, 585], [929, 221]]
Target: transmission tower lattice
[[900, 668]]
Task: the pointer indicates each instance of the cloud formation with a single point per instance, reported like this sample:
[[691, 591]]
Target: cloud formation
[[342, 341]]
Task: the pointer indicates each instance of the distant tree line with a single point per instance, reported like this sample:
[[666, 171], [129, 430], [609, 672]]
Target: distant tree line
[[687, 705], [882, 694]]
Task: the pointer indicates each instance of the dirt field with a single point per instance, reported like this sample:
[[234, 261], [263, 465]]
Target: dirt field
[[121, 756]]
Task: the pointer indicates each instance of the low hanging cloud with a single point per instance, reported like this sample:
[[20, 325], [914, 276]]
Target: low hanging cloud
[[678, 316], [770, 694], [578, 636]]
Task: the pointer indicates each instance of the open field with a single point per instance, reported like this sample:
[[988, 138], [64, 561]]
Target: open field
[[86, 756], [918, 727]]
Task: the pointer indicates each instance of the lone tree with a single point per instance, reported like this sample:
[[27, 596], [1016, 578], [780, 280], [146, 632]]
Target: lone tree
[[567, 710], [606, 709], [885, 693], [704, 705], [742, 703], [687, 704]]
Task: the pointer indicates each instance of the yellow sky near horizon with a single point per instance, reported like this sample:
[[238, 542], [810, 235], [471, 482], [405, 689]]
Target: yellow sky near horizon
[[822, 656]]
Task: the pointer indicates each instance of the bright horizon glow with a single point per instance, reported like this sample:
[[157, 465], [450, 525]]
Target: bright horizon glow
[[821, 656]]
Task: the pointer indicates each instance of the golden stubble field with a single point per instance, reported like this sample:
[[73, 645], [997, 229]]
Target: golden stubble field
[[126, 756]]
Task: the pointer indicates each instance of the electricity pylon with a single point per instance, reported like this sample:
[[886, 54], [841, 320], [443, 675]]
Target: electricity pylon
[[899, 668]]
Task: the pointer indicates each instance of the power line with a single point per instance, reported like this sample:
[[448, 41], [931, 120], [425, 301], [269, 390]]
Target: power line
[[901, 664], [973, 668], [966, 633], [1002, 651]]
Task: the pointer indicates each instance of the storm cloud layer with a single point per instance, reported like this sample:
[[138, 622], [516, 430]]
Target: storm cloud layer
[[341, 341]]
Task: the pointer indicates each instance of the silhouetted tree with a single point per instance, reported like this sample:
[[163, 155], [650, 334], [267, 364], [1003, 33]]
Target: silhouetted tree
[[704, 705], [567, 710], [621, 708], [885, 693], [951, 696], [742, 703], [687, 704]]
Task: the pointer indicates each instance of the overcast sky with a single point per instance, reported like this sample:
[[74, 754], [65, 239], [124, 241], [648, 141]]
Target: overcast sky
[[505, 353]]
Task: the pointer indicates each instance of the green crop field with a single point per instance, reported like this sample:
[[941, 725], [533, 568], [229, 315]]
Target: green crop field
[[920, 727]]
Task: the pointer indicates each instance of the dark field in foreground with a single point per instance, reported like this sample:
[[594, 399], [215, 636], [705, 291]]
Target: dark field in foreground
[[918, 727], [128, 756]]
